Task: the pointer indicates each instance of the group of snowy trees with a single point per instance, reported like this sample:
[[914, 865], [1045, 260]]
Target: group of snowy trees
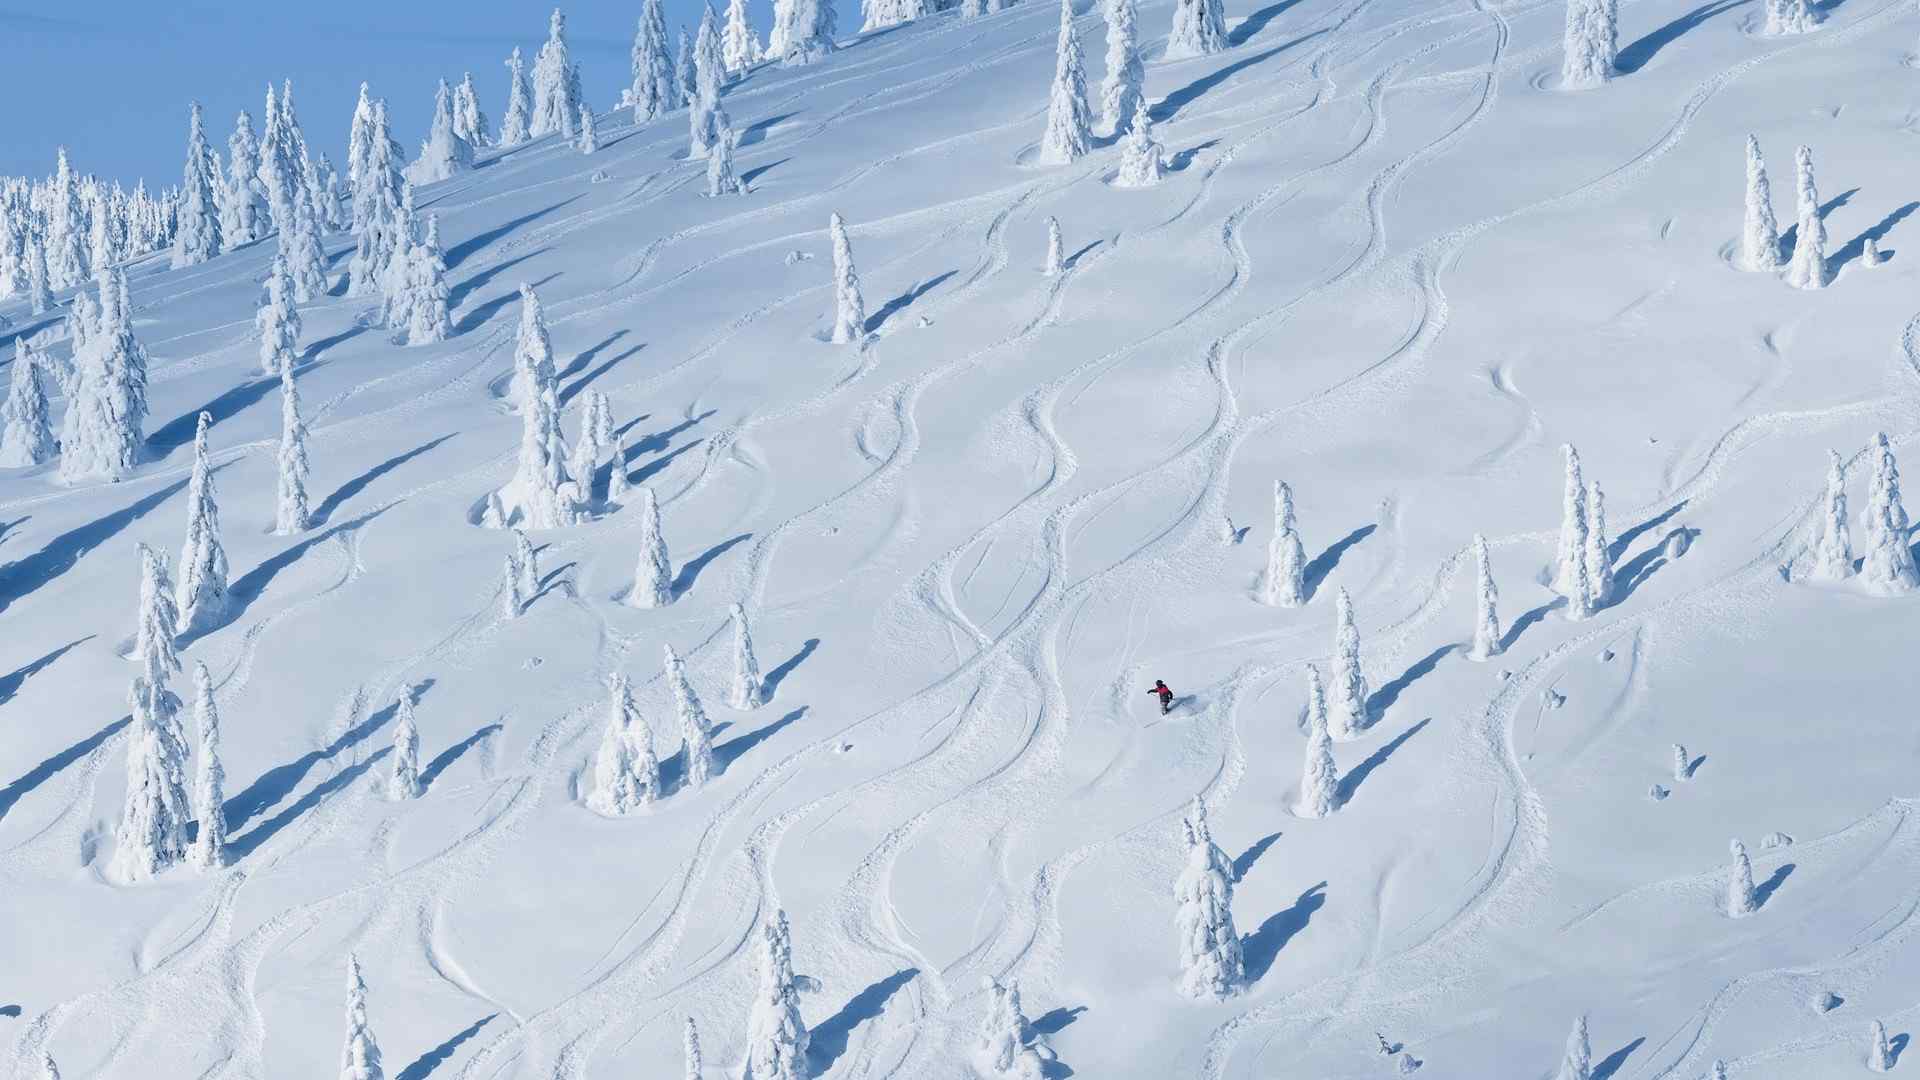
[[105, 386], [1887, 565], [269, 184], [1199, 29], [1591, 43], [1760, 237], [67, 229]]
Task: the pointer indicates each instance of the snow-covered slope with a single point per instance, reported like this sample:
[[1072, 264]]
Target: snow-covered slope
[[1393, 265]]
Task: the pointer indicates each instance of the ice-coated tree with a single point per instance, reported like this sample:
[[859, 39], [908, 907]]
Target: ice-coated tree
[[1887, 566], [239, 204], [469, 122], [360, 1059], [526, 562], [290, 514], [587, 140], [532, 352], [694, 727], [1791, 17], [208, 851], [1879, 1051], [513, 125], [739, 45], [1592, 43], [1598, 557], [690, 1045], [196, 235], [300, 248], [39, 278], [444, 153], [1486, 614], [101, 435], [1319, 784], [26, 432], [376, 209], [1199, 29], [64, 227], [152, 834], [1740, 899], [1833, 546], [653, 92], [1056, 249], [1210, 958], [1571, 558], [777, 1040], [201, 597], [1760, 236], [359, 138], [404, 782], [721, 179], [1682, 765], [277, 321], [1577, 1062], [617, 483], [1120, 94], [1349, 711], [849, 309], [1142, 160], [652, 573], [555, 108], [426, 289], [618, 789], [1286, 579], [1808, 267], [1069, 123], [747, 691]]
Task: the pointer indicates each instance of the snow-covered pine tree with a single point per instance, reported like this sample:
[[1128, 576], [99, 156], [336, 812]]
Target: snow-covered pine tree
[[721, 179], [1577, 1062], [1486, 615], [596, 433], [694, 727], [359, 139], [690, 1045], [102, 432], [153, 635], [777, 1040], [850, 310], [683, 74], [738, 45], [1056, 249], [555, 108], [64, 228], [1598, 557], [1791, 17], [881, 14], [360, 1059], [39, 278], [1887, 566], [444, 153], [102, 249], [395, 297], [618, 788], [543, 494], [652, 574], [532, 352], [747, 692], [404, 782], [334, 213], [208, 851], [588, 140], [1808, 267], [1740, 899], [513, 602], [277, 321], [1349, 712], [300, 249], [1572, 554], [26, 432], [709, 72], [513, 125], [426, 289], [196, 236], [290, 514], [1760, 235], [1870, 253], [1069, 124], [152, 834], [1120, 94], [300, 166], [1833, 545], [1286, 578], [275, 174], [1210, 960], [1142, 160], [1593, 44], [653, 92], [1682, 764], [1879, 1050], [1199, 29], [805, 29], [240, 222], [376, 209], [617, 483], [526, 562], [469, 121], [1319, 784], [1002, 1048], [201, 597]]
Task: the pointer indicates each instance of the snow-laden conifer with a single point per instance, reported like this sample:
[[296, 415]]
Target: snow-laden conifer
[[1879, 1050], [587, 141], [360, 1058], [777, 1039], [694, 728], [156, 621], [64, 227], [1286, 578], [1808, 267], [684, 84], [1142, 160], [335, 213], [1833, 545], [653, 91], [240, 209], [102, 433], [652, 574], [1199, 29], [196, 236], [596, 435], [152, 835], [532, 352], [1210, 959], [394, 294], [620, 784], [1319, 784], [709, 73], [1056, 249], [1570, 561], [802, 30], [1598, 556], [526, 563], [1682, 764], [746, 691], [469, 121], [291, 513], [444, 153], [1577, 1062], [277, 321], [849, 309], [1002, 1048], [1592, 42], [721, 179], [1760, 235], [377, 202], [1740, 898], [514, 123], [555, 108], [426, 291], [1120, 94], [300, 249], [1887, 566], [739, 46], [690, 1050], [1791, 17], [39, 278], [1069, 123], [404, 781], [1486, 615], [26, 432], [881, 14], [201, 597], [208, 850], [359, 138], [617, 482], [513, 601], [1349, 707]]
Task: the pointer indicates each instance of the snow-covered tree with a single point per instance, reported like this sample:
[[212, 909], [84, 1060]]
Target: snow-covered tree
[[694, 727], [1879, 1051], [1349, 713], [1598, 557], [1286, 579], [1210, 959], [276, 175], [377, 199], [739, 45], [1577, 1062], [514, 125], [617, 483], [26, 433], [1142, 160], [425, 289], [1808, 267], [532, 352], [1833, 544], [1592, 42], [277, 321], [747, 692], [64, 227], [101, 435], [152, 835], [1319, 784], [850, 310], [39, 278], [404, 782], [1199, 29], [777, 1039], [469, 122], [1682, 764], [1791, 17], [201, 597], [157, 618], [300, 250], [208, 850], [1486, 615], [513, 600], [334, 213], [394, 294], [1740, 898], [881, 14], [652, 573], [684, 84], [1002, 1048], [596, 437], [526, 562], [555, 108], [802, 30], [196, 236], [1056, 249], [444, 153], [543, 495], [239, 203], [1570, 562], [1887, 566], [359, 139], [48, 1070], [1120, 94], [625, 772], [290, 514], [721, 179], [587, 140], [654, 91], [360, 1059], [690, 1045], [1069, 124], [1760, 236], [709, 73], [1870, 253]]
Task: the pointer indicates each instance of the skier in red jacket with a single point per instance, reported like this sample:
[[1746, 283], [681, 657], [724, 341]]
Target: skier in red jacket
[[1165, 694]]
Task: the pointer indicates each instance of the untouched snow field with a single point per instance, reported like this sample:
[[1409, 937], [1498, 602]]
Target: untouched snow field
[[1395, 266]]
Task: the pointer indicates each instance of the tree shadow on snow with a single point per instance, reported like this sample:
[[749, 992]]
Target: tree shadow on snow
[[1260, 948], [44, 771], [1636, 55], [480, 314], [659, 440], [1625, 540], [248, 587], [1791, 234], [180, 430], [1857, 246], [575, 388], [1170, 106], [1527, 619], [747, 178], [1073, 260], [1257, 22], [756, 132], [424, 1065], [830, 1036], [1245, 860], [1607, 1066], [1628, 578], [359, 483], [779, 675], [1897, 1045], [452, 753], [485, 277], [248, 844], [11, 682], [728, 752], [1051, 1022], [1350, 783], [1179, 161], [1324, 563], [466, 249], [893, 307], [22, 578], [646, 472], [320, 345], [1764, 891], [1383, 698], [280, 781]]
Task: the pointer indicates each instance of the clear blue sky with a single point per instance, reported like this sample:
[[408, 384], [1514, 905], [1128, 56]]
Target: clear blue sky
[[111, 80]]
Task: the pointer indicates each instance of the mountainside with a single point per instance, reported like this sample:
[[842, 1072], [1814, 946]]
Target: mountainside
[[1393, 263]]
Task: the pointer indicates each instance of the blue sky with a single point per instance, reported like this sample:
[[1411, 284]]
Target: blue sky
[[112, 80]]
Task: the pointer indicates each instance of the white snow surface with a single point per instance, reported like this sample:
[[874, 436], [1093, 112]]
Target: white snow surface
[[1392, 263]]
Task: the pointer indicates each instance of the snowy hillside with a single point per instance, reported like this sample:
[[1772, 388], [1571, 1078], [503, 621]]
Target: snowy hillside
[[1395, 262]]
